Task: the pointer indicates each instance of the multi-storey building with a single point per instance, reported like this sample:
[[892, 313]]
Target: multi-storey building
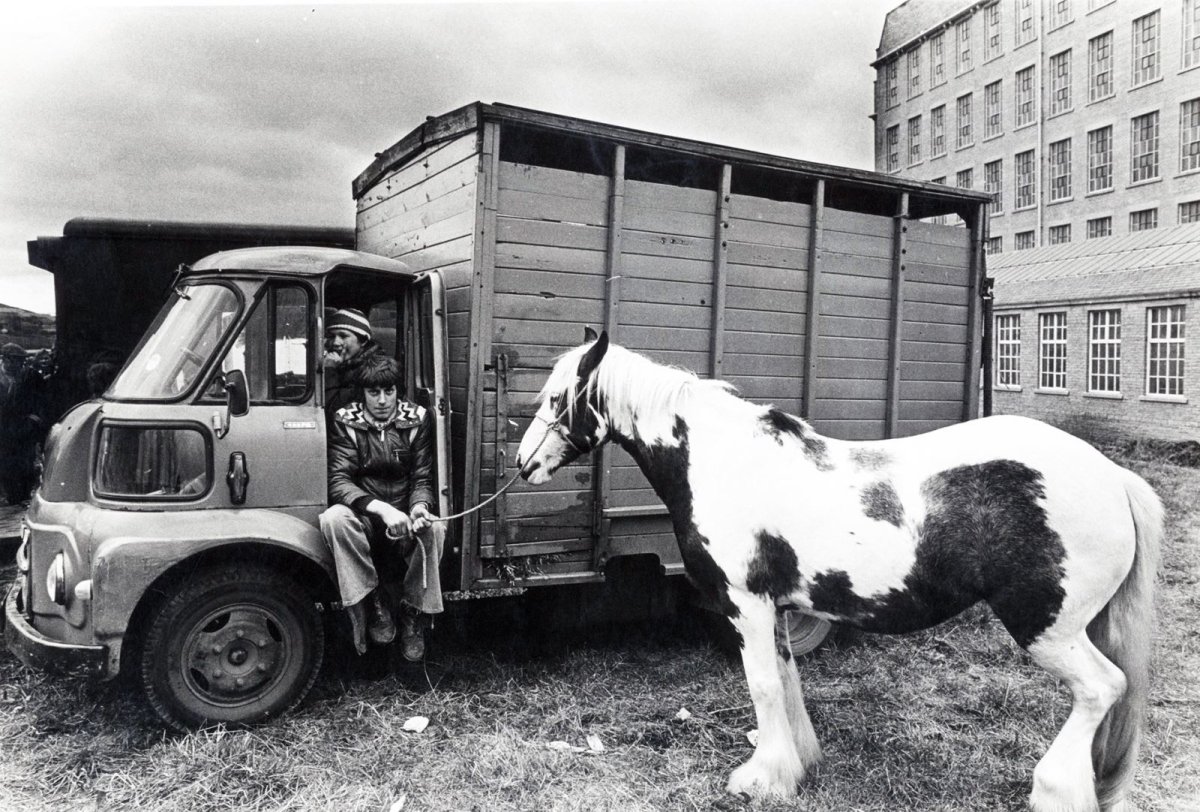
[[1082, 117]]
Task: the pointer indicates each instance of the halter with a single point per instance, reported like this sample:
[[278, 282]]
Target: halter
[[555, 426]]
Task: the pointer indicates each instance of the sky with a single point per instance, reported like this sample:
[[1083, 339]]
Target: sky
[[266, 113]]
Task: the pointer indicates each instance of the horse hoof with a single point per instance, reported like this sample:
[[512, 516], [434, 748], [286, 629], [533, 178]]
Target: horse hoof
[[757, 782]]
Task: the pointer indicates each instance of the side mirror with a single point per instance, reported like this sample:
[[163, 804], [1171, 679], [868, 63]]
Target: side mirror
[[237, 392]]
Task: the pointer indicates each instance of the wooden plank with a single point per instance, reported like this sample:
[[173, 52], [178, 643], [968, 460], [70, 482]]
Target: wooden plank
[[554, 207], [949, 256], [851, 429], [944, 314], [932, 370], [646, 498], [937, 234], [636, 289], [748, 207], [550, 285], [500, 511], [720, 278], [532, 307], [839, 263], [550, 258], [760, 321], [667, 245], [925, 331], [774, 235], [768, 389], [859, 245], [767, 256], [670, 198], [435, 233], [543, 232], [909, 428], [671, 222], [896, 316], [813, 320], [852, 347], [861, 287], [934, 293], [859, 224], [773, 366], [762, 299], [789, 344], [550, 181], [848, 327], [954, 277], [613, 272], [873, 410], [830, 368], [480, 351], [764, 278], [948, 351], [639, 338], [668, 269], [853, 389], [855, 307], [948, 411], [664, 315], [933, 390]]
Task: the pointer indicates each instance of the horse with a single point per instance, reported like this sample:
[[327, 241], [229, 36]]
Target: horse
[[887, 536]]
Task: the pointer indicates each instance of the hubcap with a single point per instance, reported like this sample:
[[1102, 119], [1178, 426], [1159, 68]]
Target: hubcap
[[235, 653]]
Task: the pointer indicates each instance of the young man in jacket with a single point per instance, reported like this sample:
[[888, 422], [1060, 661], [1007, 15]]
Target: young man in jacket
[[381, 489]]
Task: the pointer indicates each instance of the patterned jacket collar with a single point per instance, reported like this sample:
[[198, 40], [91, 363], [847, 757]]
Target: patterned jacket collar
[[408, 415]]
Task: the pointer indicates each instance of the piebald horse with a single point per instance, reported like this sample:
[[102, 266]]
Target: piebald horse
[[888, 536]]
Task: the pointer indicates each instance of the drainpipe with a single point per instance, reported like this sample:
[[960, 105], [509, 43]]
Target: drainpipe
[[986, 351]]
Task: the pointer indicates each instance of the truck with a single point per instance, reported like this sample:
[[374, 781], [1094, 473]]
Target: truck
[[175, 531]]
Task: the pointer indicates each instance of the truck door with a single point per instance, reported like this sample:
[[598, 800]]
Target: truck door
[[426, 369], [274, 455]]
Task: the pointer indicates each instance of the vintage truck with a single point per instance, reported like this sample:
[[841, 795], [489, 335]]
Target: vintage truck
[[174, 532]]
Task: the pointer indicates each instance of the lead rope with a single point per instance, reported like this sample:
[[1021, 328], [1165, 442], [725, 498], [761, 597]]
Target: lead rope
[[549, 428]]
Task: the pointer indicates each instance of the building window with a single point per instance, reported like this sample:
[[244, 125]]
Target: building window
[[1024, 96], [1191, 33], [993, 43], [993, 113], [1026, 180], [1189, 135], [1060, 170], [1025, 22], [1023, 241], [1052, 350], [1143, 147], [1100, 67], [937, 131], [965, 179], [1189, 212], [965, 136], [1146, 64], [1100, 175], [1060, 13], [891, 92], [1058, 235], [893, 148], [962, 37], [1099, 227], [1060, 83], [1008, 351], [1104, 351], [914, 72], [937, 60], [914, 140], [994, 245], [1143, 220], [993, 184], [1164, 350]]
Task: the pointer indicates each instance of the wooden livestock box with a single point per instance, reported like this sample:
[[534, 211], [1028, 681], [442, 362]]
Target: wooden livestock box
[[841, 295]]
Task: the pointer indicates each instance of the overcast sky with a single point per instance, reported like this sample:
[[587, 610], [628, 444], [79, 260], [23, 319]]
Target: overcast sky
[[265, 114]]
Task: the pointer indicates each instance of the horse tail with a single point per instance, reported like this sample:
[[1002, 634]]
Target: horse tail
[[1123, 631]]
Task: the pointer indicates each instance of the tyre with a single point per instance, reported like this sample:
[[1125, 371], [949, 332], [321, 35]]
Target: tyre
[[804, 632], [234, 644]]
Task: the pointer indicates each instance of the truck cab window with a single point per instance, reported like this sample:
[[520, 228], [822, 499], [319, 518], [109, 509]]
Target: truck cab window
[[273, 349]]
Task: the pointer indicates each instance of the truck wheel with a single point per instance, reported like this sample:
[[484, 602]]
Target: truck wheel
[[236, 644], [804, 632]]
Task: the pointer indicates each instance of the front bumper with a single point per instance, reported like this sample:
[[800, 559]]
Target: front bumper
[[38, 651]]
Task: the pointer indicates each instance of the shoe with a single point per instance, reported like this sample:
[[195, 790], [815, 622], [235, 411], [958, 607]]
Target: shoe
[[412, 638], [380, 626]]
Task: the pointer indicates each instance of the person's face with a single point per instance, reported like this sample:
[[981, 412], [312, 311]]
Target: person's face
[[380, 401], [13, 364], [344, 344]]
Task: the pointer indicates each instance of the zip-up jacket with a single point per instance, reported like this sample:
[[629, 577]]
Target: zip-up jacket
[[392, 463]]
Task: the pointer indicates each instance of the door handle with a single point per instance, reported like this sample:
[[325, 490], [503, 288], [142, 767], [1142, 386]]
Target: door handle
[[238, 477]]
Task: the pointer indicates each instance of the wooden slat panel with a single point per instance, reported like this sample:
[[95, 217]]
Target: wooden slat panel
[[634, 498], [758, 321], [852, 389], [934, 293], [833, 262], [771, 234], [550, 258], [937, 275], [932, 390], [392, 210], [785, 301], [748, 207], [938, 234], [949, 411], [767, 389], [634, 289], [957, 256], [419, 171], [775, 366], [761, 278], [536, 308], [425, 237], [643, 242], [867, 287], [950, 351], [908, 428], [660, 315], [786, 344], [852, 347], [920, 370], [683, 269], [639, 338], [852, 409], [858, 245], [953, 333], [858, 224], [829, 368], [659, 221], [543, 232], [851, 429], [855, 307], [945, 314], [843, 327], [549, 285]]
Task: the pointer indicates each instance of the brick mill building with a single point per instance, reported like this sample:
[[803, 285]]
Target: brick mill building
[[1082, 117]]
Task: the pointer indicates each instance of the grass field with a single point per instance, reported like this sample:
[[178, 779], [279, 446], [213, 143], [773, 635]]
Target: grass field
[[950, 719]]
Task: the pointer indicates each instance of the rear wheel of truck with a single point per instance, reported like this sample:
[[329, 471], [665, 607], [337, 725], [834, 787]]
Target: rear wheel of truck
[[235, 644]]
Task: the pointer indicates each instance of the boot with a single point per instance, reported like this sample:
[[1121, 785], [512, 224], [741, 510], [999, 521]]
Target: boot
[[380, 626], [412, 636]]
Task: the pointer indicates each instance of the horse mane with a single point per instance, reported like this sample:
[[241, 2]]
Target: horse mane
[[632, 387]]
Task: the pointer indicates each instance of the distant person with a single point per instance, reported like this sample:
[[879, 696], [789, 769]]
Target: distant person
[[380, 495], [348, 345], [22, 423]]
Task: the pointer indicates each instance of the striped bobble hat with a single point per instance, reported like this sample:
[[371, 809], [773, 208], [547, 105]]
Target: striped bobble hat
[[349, 319]]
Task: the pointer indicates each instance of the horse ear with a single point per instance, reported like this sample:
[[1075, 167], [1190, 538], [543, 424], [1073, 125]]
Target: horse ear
[[591, 359], [589, 334]]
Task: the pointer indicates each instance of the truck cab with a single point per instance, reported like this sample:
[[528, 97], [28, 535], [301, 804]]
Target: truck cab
[[175, 530]]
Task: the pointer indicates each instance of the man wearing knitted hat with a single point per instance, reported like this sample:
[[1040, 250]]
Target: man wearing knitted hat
[[348, 344]]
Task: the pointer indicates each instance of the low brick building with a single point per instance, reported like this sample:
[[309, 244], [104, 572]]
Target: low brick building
[[1102, 330]]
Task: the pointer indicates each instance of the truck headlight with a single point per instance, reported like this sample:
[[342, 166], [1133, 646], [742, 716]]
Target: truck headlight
[[56, 580]]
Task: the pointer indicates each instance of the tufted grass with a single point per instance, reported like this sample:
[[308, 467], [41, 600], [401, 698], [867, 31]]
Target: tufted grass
[[949, 719]]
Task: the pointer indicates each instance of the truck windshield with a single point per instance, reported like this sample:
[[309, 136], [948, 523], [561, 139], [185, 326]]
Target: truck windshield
[[179, 343]]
